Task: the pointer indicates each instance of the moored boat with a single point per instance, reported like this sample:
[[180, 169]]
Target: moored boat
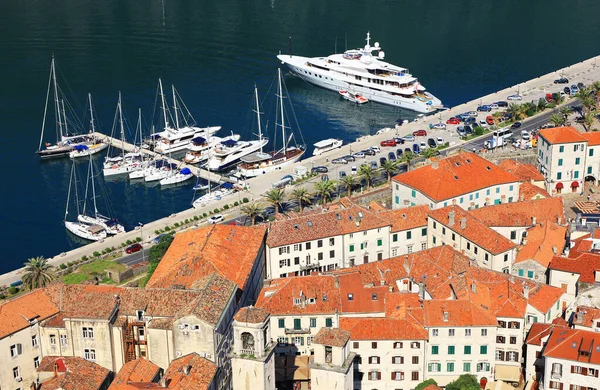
[[326, 145]]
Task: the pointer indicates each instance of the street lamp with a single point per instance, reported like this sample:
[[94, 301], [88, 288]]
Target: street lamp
[[141, 225]]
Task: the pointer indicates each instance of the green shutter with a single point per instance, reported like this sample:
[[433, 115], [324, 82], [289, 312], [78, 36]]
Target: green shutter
[[395, 237], [282, 323], [435, 349], [379, 242], [467, 349], [328, 322], [451, 350], [467, 367], [483, 349], [351, 248]]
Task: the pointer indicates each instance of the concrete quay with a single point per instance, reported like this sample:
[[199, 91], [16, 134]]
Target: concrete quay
[[586, 71]]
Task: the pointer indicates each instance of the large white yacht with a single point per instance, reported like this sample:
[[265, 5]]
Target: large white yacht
[[360, 71], [229, 152]]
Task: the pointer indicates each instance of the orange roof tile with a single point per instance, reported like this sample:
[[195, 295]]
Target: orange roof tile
[[539, 330], [562, 135], [407, 218], [528, 191], [383, 328], [74, 373], [520, 213], [586, 264], [588, 316], [544, 241], [251, 315], [17, 313], [456, 175], [459, 313], [333, 337], [199, 377], [525, 172], [574, 345], [134, 373], [593, 138], [583, 244], [474, 231], [229, 251]]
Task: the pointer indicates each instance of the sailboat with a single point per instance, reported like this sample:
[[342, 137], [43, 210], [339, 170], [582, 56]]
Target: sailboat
[[82, 230], [126, 162], [64, 141], [260, 163], [95, 146], [177, 138], [184, 174], [110, 225], [138, 171]]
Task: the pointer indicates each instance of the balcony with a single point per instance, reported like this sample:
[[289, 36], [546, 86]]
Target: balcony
[[556, 374], [297, 331], [304, 267]]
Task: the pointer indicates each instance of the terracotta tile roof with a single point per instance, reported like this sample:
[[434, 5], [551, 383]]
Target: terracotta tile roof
[[407, 218], [580, 245], [586, 264], [456, 175], [333, 337], [474, 231], [588, 316], [251, 315], [386, 328], [528, 191], [376, 206], [525, 172], [432, 387], [569, 344], [460, 313], [562, 135], [199, 377], [229, 251], [544, 241], [539, 330], [520, 213], [74, 373], [134, 373], [16, 313], [593, 138], [326, 224]]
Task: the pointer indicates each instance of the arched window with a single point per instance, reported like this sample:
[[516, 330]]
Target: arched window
[[247, 341]]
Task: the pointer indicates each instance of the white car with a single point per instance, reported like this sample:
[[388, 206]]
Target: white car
[[353, 170], [494, 106], [514, 97], [525, 135], [216, 219], [376, 149], [440, 141], [423, 145], [439, 126], [472, 113]]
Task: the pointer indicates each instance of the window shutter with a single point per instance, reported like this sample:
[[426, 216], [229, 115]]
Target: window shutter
[[402, 361], [378, 375], [19, 349], [572, 369], [393, 376], [584, 370]]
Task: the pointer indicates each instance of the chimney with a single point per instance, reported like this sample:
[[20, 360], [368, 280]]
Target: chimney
[[533, 221], [526, 292], [580, 316], [522, 197], [451, 218], [406, 265], [463, 223], [163, 382], [453, 201], [391, 288], [524, 241], [336, 282], [558, 220], [555, 250], [435, 164], [55, 369], [445, 316], [187, 369]]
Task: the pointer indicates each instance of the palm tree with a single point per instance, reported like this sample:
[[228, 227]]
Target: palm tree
[[429, 152], [38, 273], [301, 196], [587, 101], [557, 120], [565, 111], [541, 105], [588, 120], [515, 110], [390, 166], [252, 210], [367, 172], [325, 189], [349, 181], [275, 197], [407, 157]]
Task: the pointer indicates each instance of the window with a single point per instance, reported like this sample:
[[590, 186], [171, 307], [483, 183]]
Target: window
[[500, 339], [52, 339], [487, 192], [398, 345], [561, 149], [435, 349], [515, 324], [297, 247], [467, 350], [451, 350], [284, 263], [398, 359], [423, 232], [328, 322], [298, 340], [297, 324], [395, 237], [36, 361], [309, 340], [408, 235], [296, 260], [513, 235], [576, 174], [374, 345], [512, 356], [513, 339], [434, 225], [484, 332], [16, 350], [467, 367], [331, 254], [521, 272], [589, 170], [355, 345], [560, 162], [397, 376], [374, 375], [351, 248], [16, 373], [308, 246], [483, 367], [281, 323], [331, 241], [414, 375], [89, 354], [409, 248], [556, 370], [282, 341], [415, 360], [374, 360], [506, 257], [497, 190], [483, 350], [414, 193], [415, 345], [591, 152], [558, 175], [500, 355], [320, 256], [451, 332], [320, 244], [444, 230], [530, 274], [34, 341], [434, 367], [313, 322], [435, 332], [284, 249], [450, 367], [467, 332], [423, 246], [577, 160], [63, 340]]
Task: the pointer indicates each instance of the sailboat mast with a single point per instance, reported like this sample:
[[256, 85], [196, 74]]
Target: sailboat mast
[[91, 114], [175, 108], [93, 187], [87, 184], [69, 193], [46, 105], [282, 117], [139, 126], [65, 117], [258, 116], [122, 128], [56, 101], [164, 108]]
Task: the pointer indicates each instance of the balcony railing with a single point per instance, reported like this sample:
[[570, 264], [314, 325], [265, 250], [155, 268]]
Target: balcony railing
[[297, 331], [556, 374], [247, 352], [309, 266]]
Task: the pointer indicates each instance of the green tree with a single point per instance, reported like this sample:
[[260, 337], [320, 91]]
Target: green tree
[[349, 181], [429, 153], [275, 197], [426, 383], [588, 120], [301, 196], [367, 172], [587, 100], [557, 120], [391, 166], [565, 111], [464, 382], [325, 189], [541, 105], [252, 210], [407, 157], [38, 273], [515, 110], [478, 130]]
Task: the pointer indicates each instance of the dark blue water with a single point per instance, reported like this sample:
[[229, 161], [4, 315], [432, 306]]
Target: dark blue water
[[214, 52]]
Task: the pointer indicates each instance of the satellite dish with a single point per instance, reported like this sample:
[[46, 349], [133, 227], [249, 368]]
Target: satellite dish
[[377, 45], [381, 55]]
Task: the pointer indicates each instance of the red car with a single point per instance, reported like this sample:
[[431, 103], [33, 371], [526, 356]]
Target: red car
[[453, 121], [388, 142], [420, 133], [133, 248]]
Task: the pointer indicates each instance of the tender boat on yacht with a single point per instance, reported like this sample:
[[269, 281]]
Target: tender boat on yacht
[[353, 97]]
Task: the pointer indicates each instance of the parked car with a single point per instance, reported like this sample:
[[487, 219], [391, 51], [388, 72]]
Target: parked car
[[416, 149], [388, 142], [439, 126], [321, 169], [324, 177], [567, 90], [392, 156], [464, 116], [399, 152], [342, 174], [375, 148], [399, 140], [353, 170], [216, 219], [420, 133], [473, 113], [340, 160], [580, 85], [374, 164], [431, 143], [470, 121], [485, 108], [422, 145], [514, 97], [407, 150], [489, 120], [502, 103], [468, 129], [157, 239], [515, 125], [574, 90], [359, 155], [382, 160], [562, 80], [133, 248], [349, 158], [440, 141], [453, 121], [494, 106], [369, 152], [408, 137], [525, 135], [461, 131]]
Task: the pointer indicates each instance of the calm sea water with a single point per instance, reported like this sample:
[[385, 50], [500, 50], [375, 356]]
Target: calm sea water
[[215, 51]]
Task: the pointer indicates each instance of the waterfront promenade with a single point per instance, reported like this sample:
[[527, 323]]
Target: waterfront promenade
[[532, 90]]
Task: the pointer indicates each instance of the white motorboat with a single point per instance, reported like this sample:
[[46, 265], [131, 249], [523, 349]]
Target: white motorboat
[[199, 148], [366, 74], [353, 97], [326, 145], [229, 152], [173, 139], [177, 177], [211, 196], [259, 163]]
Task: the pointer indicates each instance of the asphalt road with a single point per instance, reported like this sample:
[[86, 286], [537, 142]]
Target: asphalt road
[[135, 258]]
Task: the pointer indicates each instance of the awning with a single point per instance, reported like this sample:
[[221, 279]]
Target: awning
[[575, 184], [508, 373], [559, 186]]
